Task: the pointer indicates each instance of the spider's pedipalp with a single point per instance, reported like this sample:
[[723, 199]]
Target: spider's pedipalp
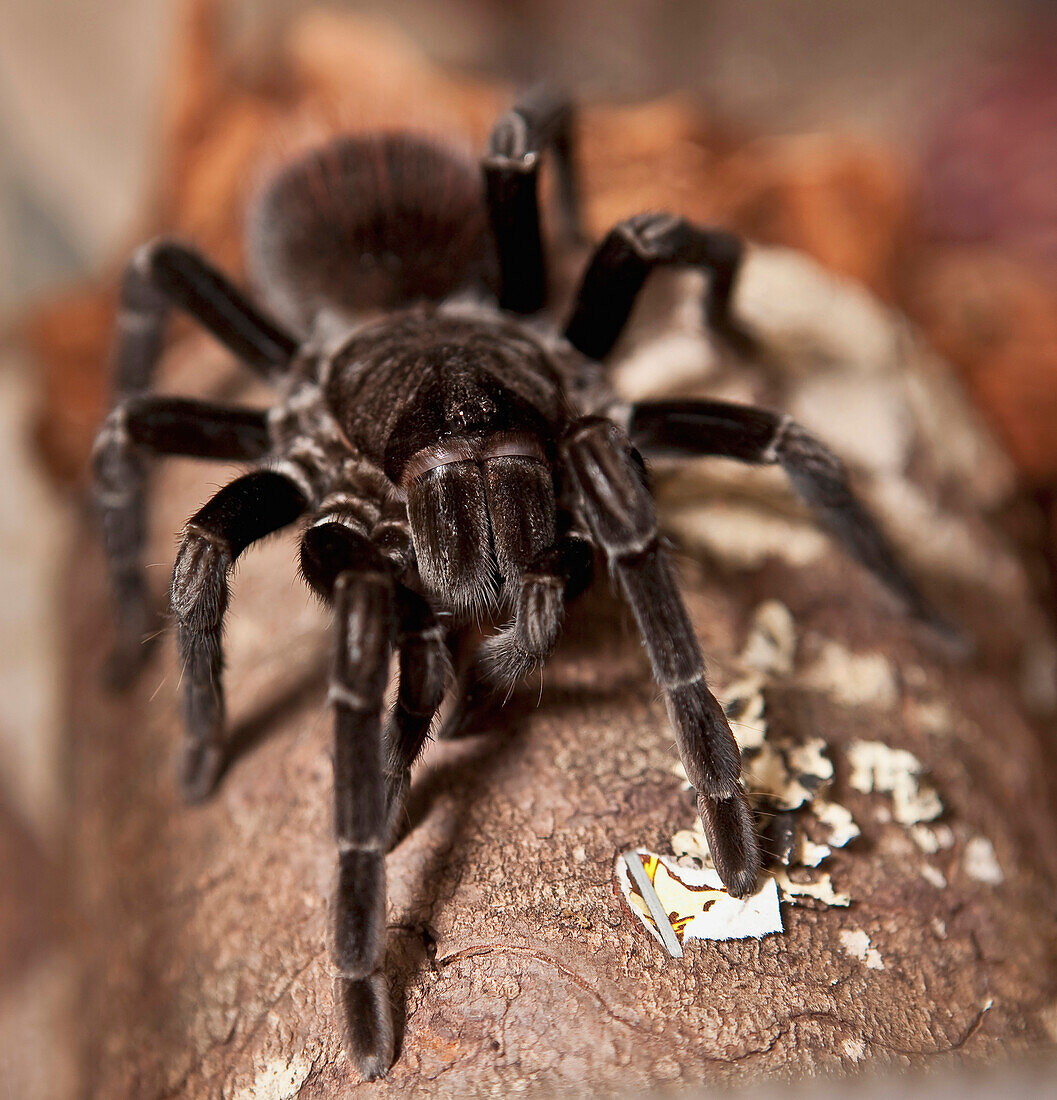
[[520, 495], [448, 510], [555, 576]]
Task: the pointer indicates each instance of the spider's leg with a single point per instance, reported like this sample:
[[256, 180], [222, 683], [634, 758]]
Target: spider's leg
[[555, 577], [540, 120], [624, 260], [242, 512], [424, 674], [137, 428], [364, 618], [164, 274], [620, 514], [340, 563], [761, 437], [338, 542]]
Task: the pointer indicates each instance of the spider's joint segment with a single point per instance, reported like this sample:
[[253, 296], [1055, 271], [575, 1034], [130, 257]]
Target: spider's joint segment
[[194, 530], [634, 547], [343, 519], [114, 498], [114, 431], [773, 449], [296, 474], [643, 232], [344, 581], [339, 695], [544, 580], [685, 681], [369, 845]]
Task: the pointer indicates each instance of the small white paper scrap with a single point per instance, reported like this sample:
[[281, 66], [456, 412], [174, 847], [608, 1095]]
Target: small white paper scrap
[[697, 905]]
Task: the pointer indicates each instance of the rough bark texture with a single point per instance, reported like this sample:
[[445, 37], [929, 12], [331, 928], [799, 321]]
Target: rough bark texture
[[201, 931], [514, 960]]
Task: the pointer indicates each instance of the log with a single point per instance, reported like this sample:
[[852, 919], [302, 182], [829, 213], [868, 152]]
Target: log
[[515, 959]]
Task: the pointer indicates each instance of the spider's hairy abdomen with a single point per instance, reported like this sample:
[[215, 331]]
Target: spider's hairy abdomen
[[367, 223]]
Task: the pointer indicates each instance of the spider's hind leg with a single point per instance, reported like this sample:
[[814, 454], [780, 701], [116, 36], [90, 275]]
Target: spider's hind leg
[[539, 120], [161, 276], [624, 260]]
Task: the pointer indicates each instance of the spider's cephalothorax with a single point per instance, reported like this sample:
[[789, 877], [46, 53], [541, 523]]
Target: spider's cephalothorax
[[445, 458]]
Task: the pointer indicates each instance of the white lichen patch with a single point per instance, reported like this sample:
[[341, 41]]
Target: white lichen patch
[[741, 536], [809, 317], [820, 889], [934, 876], [981, 863], [810, 766], [876, 767], [695, 902], [278, 1080], [771, 643], [934, 541], [856, 943], [931, 716], [690, 845], [789, 776], [745, 708], [932, 838], [809, 854], [780, 775], [865, 420], [853, 679], [838, 825]]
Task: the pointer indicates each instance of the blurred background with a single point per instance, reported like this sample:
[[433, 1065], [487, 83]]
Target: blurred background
[[912, 146]]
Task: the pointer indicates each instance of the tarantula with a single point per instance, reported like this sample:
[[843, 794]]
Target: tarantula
[[451, 452]]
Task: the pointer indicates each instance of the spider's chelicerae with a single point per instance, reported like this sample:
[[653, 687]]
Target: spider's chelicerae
[[450, 452]]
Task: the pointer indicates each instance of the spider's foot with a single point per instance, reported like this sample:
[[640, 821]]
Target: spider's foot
[[200, 770], [730, 829], [368, 1024]]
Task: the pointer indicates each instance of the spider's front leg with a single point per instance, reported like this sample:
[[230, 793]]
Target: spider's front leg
[[241, 513], [620, 514], [364, 620], [372, 762]]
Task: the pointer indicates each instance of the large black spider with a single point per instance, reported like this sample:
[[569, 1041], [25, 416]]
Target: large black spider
[[452, 452]]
